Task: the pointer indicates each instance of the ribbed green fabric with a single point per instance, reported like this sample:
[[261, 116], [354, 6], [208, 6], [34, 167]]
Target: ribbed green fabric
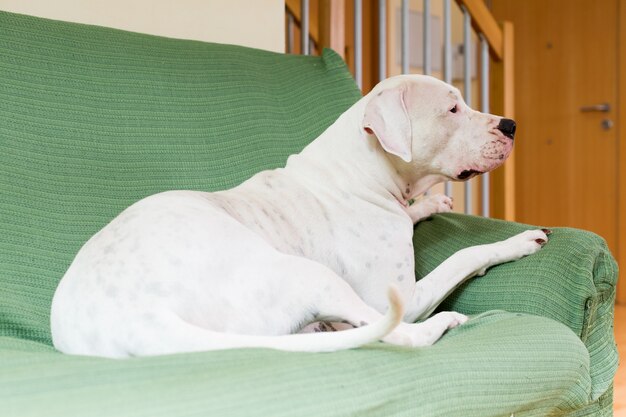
[[92, 119], [571, 280], [497, 364]]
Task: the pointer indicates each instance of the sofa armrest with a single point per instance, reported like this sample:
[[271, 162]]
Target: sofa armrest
[[571, 280]]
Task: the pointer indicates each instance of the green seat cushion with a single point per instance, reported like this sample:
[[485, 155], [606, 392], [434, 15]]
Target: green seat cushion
[[496, 365]]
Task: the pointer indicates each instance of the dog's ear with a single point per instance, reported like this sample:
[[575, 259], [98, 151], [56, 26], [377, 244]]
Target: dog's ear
[[386, 116]]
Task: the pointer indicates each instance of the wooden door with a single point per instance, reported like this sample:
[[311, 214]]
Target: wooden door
[[566, 58]]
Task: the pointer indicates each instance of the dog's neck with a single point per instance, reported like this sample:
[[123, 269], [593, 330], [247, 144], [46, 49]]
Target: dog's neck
[[354, 161]]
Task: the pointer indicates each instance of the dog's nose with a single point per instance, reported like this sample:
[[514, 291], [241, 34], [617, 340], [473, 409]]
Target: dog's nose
[[507, 127]]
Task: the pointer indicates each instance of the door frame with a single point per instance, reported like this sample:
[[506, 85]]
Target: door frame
[[621, 126]]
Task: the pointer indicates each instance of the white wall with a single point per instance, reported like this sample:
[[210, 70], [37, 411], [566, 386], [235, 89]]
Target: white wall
[[254, 23]]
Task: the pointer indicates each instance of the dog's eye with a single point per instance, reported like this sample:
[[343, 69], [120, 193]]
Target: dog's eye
[[454, 109]]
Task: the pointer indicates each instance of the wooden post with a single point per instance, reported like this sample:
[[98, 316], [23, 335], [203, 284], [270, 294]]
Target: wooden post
[[503, 103], [332, 25]]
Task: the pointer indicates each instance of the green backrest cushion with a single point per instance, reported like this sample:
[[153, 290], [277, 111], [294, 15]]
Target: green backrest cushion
[[93, 119]]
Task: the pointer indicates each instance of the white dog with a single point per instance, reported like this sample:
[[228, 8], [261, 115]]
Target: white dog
[[328, 237]]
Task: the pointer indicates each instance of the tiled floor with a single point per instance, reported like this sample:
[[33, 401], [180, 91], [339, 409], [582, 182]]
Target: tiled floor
[[620, 379]]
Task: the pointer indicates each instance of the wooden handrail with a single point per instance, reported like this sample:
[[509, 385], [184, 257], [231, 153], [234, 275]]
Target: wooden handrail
[[483, 22]]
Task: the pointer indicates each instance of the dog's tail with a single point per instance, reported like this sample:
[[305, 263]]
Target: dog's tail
[[185, 337]]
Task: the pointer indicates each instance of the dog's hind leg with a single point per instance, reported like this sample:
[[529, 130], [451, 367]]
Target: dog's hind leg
[[341, 303], [303, 290]]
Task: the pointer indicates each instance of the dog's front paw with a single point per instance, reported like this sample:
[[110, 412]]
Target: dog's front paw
[[429, 205], [524, 244], [439, 203], [512, 249]]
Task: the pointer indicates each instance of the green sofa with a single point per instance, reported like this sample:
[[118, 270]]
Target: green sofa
[[93, 119]]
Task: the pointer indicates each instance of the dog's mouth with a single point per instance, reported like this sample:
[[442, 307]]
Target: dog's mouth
[[467, 174]]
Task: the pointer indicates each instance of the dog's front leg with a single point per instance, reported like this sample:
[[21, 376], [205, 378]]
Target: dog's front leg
[[431, 290], [428, 205]]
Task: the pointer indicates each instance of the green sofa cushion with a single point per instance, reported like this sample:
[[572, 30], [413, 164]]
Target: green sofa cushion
[[92, 119], [496, 365]]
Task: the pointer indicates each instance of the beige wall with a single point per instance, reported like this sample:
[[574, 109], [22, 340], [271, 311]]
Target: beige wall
[[254, 23]]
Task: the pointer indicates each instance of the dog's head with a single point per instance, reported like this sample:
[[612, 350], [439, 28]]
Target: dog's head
[[425, 122]]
